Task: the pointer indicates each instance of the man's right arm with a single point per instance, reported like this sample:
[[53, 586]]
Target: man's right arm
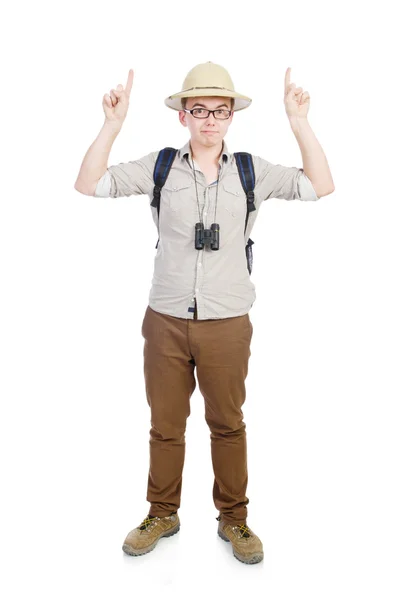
[[95, 161]]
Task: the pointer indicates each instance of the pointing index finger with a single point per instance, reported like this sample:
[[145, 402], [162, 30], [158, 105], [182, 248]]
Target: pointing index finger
[[129, 81], [287, 78]]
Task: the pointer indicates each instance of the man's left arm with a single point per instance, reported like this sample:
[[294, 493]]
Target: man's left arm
[[315, 164]]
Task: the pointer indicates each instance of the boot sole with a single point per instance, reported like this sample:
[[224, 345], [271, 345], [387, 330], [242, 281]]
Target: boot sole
[[248, 561], [139, 551]]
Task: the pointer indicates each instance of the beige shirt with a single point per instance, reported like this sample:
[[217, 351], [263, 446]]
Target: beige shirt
[[218, 279]]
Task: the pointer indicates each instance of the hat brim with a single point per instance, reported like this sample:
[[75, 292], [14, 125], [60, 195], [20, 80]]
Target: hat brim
[[240, 101]]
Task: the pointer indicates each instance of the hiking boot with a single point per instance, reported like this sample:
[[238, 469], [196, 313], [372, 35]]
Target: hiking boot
[[144, 538], [247, 547]]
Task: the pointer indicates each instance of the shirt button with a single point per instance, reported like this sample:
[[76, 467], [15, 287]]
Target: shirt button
[[199, 264], [197, 290], [205, 214]]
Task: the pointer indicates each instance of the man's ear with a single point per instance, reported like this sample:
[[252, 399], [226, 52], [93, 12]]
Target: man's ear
[[182, 117]]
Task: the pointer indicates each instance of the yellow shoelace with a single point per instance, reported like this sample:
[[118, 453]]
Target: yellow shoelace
[[146, 522], [245, 532], [243, 529]]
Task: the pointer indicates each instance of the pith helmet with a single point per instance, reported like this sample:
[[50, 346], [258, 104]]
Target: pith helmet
[[208, 79]]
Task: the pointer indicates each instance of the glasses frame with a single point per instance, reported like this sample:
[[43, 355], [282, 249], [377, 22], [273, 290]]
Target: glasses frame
[[209, 112]]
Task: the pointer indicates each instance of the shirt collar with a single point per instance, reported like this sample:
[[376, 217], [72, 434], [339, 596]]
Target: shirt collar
[[185, 151]]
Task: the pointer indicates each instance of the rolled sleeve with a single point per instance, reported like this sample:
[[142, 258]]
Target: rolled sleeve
[[126, 179], [306, 189], [279, 181], [102, 189]]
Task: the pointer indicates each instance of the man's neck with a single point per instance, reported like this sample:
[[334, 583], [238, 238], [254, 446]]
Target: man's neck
[[202, 154]]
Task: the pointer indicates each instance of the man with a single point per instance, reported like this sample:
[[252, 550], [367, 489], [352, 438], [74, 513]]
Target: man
[[197, 314]]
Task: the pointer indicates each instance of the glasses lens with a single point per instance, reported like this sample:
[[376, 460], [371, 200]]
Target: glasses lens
[[222, 114], [200, 113]]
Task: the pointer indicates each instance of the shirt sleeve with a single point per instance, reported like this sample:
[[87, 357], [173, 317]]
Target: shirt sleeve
[[103, 186], [125, 179], [306, 189], [279, 181]]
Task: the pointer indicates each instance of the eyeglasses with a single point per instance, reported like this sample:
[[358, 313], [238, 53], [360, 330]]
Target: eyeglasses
[[203, 113]]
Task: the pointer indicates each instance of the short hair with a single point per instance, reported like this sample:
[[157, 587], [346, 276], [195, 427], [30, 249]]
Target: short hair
[[184, 100]]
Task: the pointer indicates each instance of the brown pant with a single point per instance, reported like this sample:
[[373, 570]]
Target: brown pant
[[219, 349]]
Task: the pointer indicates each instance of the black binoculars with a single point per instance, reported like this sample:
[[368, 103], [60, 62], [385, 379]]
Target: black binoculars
[[207, 237]]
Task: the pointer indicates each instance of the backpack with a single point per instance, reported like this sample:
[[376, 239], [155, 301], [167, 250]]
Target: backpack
[[246, 172]]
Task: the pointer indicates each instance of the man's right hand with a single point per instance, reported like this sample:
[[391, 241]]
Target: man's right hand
[[116, 104]]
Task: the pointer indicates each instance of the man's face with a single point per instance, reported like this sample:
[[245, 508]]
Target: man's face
[[210, 131]]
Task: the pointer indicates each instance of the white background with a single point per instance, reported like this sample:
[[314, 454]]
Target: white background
[[75, 274]]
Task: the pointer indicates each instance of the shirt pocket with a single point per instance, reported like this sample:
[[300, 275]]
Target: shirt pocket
[[234, 200], [176, 195]]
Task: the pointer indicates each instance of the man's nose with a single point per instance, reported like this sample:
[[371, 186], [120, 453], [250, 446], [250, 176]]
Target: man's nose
[[211, 118]]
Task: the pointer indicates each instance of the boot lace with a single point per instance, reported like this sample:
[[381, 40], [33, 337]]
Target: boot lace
[[243, 530], [148, 521]]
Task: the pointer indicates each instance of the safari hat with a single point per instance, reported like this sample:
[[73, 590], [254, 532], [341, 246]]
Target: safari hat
[[208, 79]]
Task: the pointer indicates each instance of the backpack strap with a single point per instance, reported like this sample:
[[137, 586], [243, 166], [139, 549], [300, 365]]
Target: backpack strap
[[247, 177], [162, 168]]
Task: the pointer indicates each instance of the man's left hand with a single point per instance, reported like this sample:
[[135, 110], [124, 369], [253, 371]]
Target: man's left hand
[[296, 101]]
